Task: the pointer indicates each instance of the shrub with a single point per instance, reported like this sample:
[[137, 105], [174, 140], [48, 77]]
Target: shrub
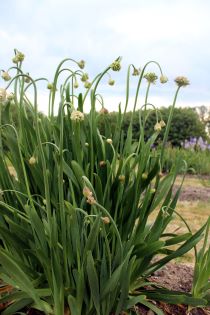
[[74, 226]]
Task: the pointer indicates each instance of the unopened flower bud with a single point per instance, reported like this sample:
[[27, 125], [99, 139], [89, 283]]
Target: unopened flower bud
[[151, 77], [163, 79], [106, 220], [162, 123], [144, 175], [81, 64], [5, 76], [3, 95], [84, 77], [182, 81], [116, 66], [50, 86], [87, 85], [102, 163], [111, 82], [76, 84], [86, 144], [109, 141], [121, 178], [15, 60], [157, 127], [32, 160], [136, 71], [27, 79], [10, 96]]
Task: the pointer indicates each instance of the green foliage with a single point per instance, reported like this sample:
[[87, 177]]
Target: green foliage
[[74, 214], [198, 162], [185, 124]]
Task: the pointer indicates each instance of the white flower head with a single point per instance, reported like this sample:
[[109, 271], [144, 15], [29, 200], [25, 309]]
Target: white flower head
[[3, 95], [157, 127], [77, 116], [109, 141]]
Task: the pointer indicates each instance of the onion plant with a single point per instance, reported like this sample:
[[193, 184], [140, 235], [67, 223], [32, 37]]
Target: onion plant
[[75, 203]]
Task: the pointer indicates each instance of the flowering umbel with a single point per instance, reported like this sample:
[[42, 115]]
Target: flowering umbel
[[87, 85], [77, 116], [151, 77], [89, 195], [116, 66], [157, 127], [84, 77], [32, 160], [136, 71], [182, 81]]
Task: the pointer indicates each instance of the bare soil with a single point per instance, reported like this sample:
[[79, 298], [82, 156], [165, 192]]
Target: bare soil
[[194, 193]]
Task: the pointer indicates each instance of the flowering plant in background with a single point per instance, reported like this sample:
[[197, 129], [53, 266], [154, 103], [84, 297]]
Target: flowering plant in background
[[75, 236], [196, 144]]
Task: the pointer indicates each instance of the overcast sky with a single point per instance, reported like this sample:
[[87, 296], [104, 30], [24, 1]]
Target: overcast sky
[[174, 33]]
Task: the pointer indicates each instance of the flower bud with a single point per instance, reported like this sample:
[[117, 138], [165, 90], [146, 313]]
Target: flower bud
[[121, 178], [32, 160], [87, 85], [77, 116], [81, 64], [91, 200], [10, 96], [102, 163], [157, 127], [162, 123], [106, 220], [87, 192], [111, 82], [76, 84], [109, 141], [144, 175], [3, 95], [26, 79], [136, 71], [5, 76], [20, 56], [84, 77], [86, 144], [116, 66], [182, 81], [163, 79], [15, 60], [151, 77], [50, 86]]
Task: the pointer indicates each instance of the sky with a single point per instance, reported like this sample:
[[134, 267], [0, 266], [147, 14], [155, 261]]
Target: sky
[[174, 33]]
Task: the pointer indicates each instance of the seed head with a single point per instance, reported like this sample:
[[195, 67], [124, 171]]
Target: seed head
[[76, 84], [87, 85], [3, 95], [157, 127], [182, 81], [106, 220], [5, 76], [84, 77], [10, 96], [163, 79], [77, 116], [136, 71], [81, 64], [32, 160], [109, 141], [151, 77], [111, 82], [116, 66], [103, 111]]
